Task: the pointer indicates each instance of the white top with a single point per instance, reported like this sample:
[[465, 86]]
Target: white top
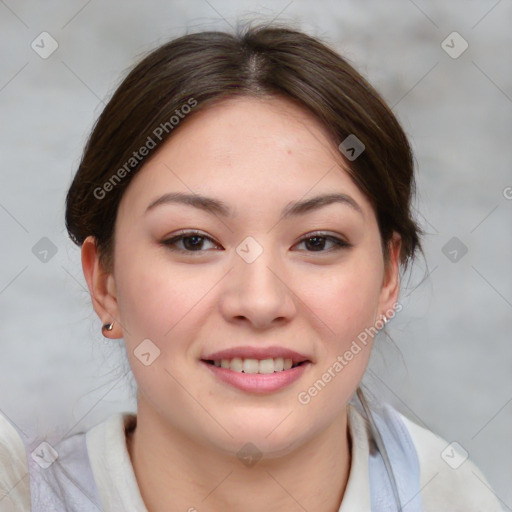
[[443, 488]]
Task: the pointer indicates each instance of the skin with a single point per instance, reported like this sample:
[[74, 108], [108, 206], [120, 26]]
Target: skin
[[257, 156]]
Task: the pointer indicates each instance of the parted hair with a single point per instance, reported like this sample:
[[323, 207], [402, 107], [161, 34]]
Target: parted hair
[[203, 68]]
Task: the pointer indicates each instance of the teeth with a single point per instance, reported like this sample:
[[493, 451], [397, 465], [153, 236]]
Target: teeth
[[255, 365], [236, 364], [251, 366], [265, 366]]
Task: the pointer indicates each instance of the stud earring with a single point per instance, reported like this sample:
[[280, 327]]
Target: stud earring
[[107, 327]]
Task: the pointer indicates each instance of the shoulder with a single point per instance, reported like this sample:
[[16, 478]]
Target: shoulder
[[14, 478], [449, 480]]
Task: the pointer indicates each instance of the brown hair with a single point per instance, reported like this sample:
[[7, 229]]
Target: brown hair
[[198, 69]]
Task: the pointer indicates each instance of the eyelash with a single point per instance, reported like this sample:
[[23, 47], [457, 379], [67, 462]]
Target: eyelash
[[339, 243]]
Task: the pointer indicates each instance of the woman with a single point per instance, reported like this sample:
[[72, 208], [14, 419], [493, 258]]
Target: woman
[[243, 206]]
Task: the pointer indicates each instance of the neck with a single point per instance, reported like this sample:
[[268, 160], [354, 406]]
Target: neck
[[176, 473]]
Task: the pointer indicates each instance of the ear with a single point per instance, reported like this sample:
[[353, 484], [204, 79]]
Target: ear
[[101, 287], [391, 281]]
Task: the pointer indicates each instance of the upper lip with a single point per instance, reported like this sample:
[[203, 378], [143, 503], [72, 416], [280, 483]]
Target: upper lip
[[257, 353]]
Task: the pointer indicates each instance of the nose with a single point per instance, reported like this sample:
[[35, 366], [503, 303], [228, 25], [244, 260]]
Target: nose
[[259, 293]]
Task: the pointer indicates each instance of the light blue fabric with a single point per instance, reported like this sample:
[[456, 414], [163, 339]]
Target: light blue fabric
[[404, 462], [68, 485]]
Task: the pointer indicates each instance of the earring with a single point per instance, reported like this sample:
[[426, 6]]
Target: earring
[[107, 327]]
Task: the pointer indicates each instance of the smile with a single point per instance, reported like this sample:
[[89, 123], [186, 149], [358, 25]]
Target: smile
[[261, 366], [254, 376]]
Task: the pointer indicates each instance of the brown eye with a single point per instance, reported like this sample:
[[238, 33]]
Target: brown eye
[[190, 242], [317, 243]]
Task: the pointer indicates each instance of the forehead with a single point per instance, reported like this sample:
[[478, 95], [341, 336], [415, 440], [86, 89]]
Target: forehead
[[246, 147], [242, 125]]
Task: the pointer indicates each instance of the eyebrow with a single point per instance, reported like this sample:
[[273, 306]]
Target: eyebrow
[[215, 206]]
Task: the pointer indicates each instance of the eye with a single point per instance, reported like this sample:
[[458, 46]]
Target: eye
[[317, 242], [193, 241]]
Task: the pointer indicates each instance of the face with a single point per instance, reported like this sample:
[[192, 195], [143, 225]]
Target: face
[[250, 268]]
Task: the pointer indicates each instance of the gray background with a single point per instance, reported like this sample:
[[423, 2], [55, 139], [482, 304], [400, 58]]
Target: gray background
[[449, 364]]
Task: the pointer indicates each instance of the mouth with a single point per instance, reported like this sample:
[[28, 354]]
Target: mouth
[[257, 369], [257, 376], [256, 366]]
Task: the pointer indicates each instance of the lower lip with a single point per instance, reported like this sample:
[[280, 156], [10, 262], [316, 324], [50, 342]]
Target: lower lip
[[258, 382]]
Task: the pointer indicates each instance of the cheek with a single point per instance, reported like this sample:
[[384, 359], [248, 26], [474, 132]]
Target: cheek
[[346, 300], [150, 298], [140, 302], [156, 302], [159, 299], [344, 304]]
